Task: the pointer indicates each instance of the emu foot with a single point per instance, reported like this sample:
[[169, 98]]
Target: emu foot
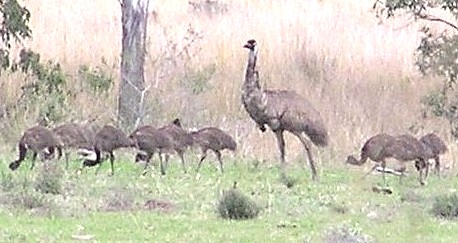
[[14, 165]]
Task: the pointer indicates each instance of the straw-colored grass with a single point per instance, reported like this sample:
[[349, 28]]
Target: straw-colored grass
[[359, 74]]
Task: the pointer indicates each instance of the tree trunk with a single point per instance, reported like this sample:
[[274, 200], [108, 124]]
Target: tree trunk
[[132, 87]]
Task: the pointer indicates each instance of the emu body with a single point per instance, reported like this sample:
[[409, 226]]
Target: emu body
[[36, 139], [435, 147], [282, 110], [181, 139], [212, 138], [74, 136], [151, 141], [380, 147], [108, 139]]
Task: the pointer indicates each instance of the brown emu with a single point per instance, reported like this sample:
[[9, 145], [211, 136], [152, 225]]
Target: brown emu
[[181, 139], [435, 146], [383, 146], [151, 141], [212, 138], [75, 136], [282, 110], [108, 139], [36, 139]]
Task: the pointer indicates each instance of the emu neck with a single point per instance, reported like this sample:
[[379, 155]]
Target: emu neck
[[251, 84]]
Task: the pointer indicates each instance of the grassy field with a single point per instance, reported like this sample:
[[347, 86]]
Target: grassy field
[[357, 72], [106, 208]]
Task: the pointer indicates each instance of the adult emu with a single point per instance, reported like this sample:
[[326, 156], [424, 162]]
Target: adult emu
[[36, 139], [75, 136], [282, 110], [403, 148], [108, 139], [215, 139]]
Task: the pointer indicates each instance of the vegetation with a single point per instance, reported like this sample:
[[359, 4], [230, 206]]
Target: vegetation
[[130, 207], [235, 205], [194, 69], [446, 206], [436, 53]]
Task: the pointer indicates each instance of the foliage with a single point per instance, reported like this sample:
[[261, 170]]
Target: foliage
[[7, 182], [346, 234], [99, 79], [46, 87], [198, 81], [208, 7], [235, 205], [446, 206], [49, 180], [14, 27], [287, 180], [436, 53]]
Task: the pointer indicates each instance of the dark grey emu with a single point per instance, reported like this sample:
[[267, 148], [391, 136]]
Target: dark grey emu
[[212, 138], [435, 146], [382, 146], [75, 136], [282, 110], [150, 141], [36, 139], [108, 139], [180, 137]]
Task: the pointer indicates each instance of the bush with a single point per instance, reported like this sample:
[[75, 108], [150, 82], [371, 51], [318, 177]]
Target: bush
[[287, 180], [235, 205], [119, 199], [49, 180], [346, 234], [28, 199], [446, 206], [7, 181], [99, 78]]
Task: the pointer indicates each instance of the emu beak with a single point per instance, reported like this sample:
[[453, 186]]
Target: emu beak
[[247, 46]]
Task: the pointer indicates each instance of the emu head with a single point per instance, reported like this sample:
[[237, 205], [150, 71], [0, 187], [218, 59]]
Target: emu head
[[251, 45]]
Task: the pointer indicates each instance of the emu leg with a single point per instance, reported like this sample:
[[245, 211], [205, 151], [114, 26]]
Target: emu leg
[[218, 155], [204, 155], [148, 158], [67, 154], [383, 163], [309, 155], [162, 164], [112, 158], [34, 157], [402, 170], [281, 145], [438, 166], [425, 167], [180, 153]]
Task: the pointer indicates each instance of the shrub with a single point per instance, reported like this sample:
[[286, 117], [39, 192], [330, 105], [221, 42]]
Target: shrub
[[99, 79], [235, 205], [287, 180], [28, 199], [446, 206], [49, 180], [119, 199], [7, 182], [346, 234]]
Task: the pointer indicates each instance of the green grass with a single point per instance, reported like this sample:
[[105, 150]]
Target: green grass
[[304, 212]]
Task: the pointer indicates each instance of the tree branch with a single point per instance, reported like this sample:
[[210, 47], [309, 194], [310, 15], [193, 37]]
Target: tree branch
[[437, 19]]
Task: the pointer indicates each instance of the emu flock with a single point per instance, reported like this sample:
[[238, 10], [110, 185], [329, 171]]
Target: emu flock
[[89, 139], [279, 110]]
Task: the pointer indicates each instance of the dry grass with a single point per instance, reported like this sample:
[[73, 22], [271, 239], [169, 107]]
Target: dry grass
[[359, 74]]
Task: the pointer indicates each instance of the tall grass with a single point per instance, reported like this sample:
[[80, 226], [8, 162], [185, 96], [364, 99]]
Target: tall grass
[[357, 72]]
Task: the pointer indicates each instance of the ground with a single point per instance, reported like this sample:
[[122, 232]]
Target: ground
[[181, 207]]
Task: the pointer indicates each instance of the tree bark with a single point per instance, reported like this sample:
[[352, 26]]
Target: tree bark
[[132, 87]]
